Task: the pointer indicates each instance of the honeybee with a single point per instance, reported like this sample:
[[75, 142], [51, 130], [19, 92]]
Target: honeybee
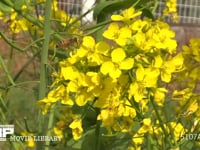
[[66, 43]]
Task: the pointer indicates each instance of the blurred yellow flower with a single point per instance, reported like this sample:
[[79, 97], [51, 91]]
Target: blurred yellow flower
[[77, 129], [171, 9], [30, 140]]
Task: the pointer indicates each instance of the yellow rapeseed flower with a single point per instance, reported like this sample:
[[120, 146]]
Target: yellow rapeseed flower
[[171, 9], [178, 130], [77, 129], [118, 62], [159, 96], [117, 34], [171, 66], [137, 91], [30, 142]]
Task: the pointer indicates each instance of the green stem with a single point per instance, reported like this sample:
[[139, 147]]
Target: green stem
[[23, 83], [43, 70], [157, 2], [148, 142], [3, 117], [49, 127], [33, 43], [8, 41], [97, 136], [6, 71], [25, 66], [44, 53], [158, 117], [3, 108]]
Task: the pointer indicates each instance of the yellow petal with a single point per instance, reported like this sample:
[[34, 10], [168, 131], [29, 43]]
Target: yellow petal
[[102, 47], [76, 124], [80, 100], [136, 92], [121, 41], [77, 129], [151, 77], [67, 101], [89, 42], [106, 67], [193, 107], [130, 13], [127, 64], [117, 17], [140, 74], [158, 62], [118, 55], [94, 77], [83, 97], [82, 52], [166, 77], [159, 96], [147, 121], [69, 73], [125, 32], [178, 61], [112, 31], [72, 86], [30, 143], [115, 73]]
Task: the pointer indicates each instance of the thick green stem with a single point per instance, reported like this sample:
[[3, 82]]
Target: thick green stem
[[51, 118], [44, 62], [44, 53]]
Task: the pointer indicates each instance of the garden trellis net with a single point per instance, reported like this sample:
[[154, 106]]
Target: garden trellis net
[[188, 10]]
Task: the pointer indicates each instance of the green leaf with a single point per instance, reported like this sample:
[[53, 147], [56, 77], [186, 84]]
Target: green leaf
[[97, 25], [4, 8], [120, 141], [103, 9], [97, 28], [74, 145], [18, 4], [89, 140], [18, 145], [147, 13]]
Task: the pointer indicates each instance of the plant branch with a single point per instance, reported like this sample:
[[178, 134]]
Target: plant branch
[[10, 42], [44, 62], [6, 71]]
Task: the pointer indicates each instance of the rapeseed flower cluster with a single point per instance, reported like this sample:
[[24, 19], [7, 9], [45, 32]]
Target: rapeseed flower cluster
[[21, 22], [124, 77], [188, 93], [171, 9]]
